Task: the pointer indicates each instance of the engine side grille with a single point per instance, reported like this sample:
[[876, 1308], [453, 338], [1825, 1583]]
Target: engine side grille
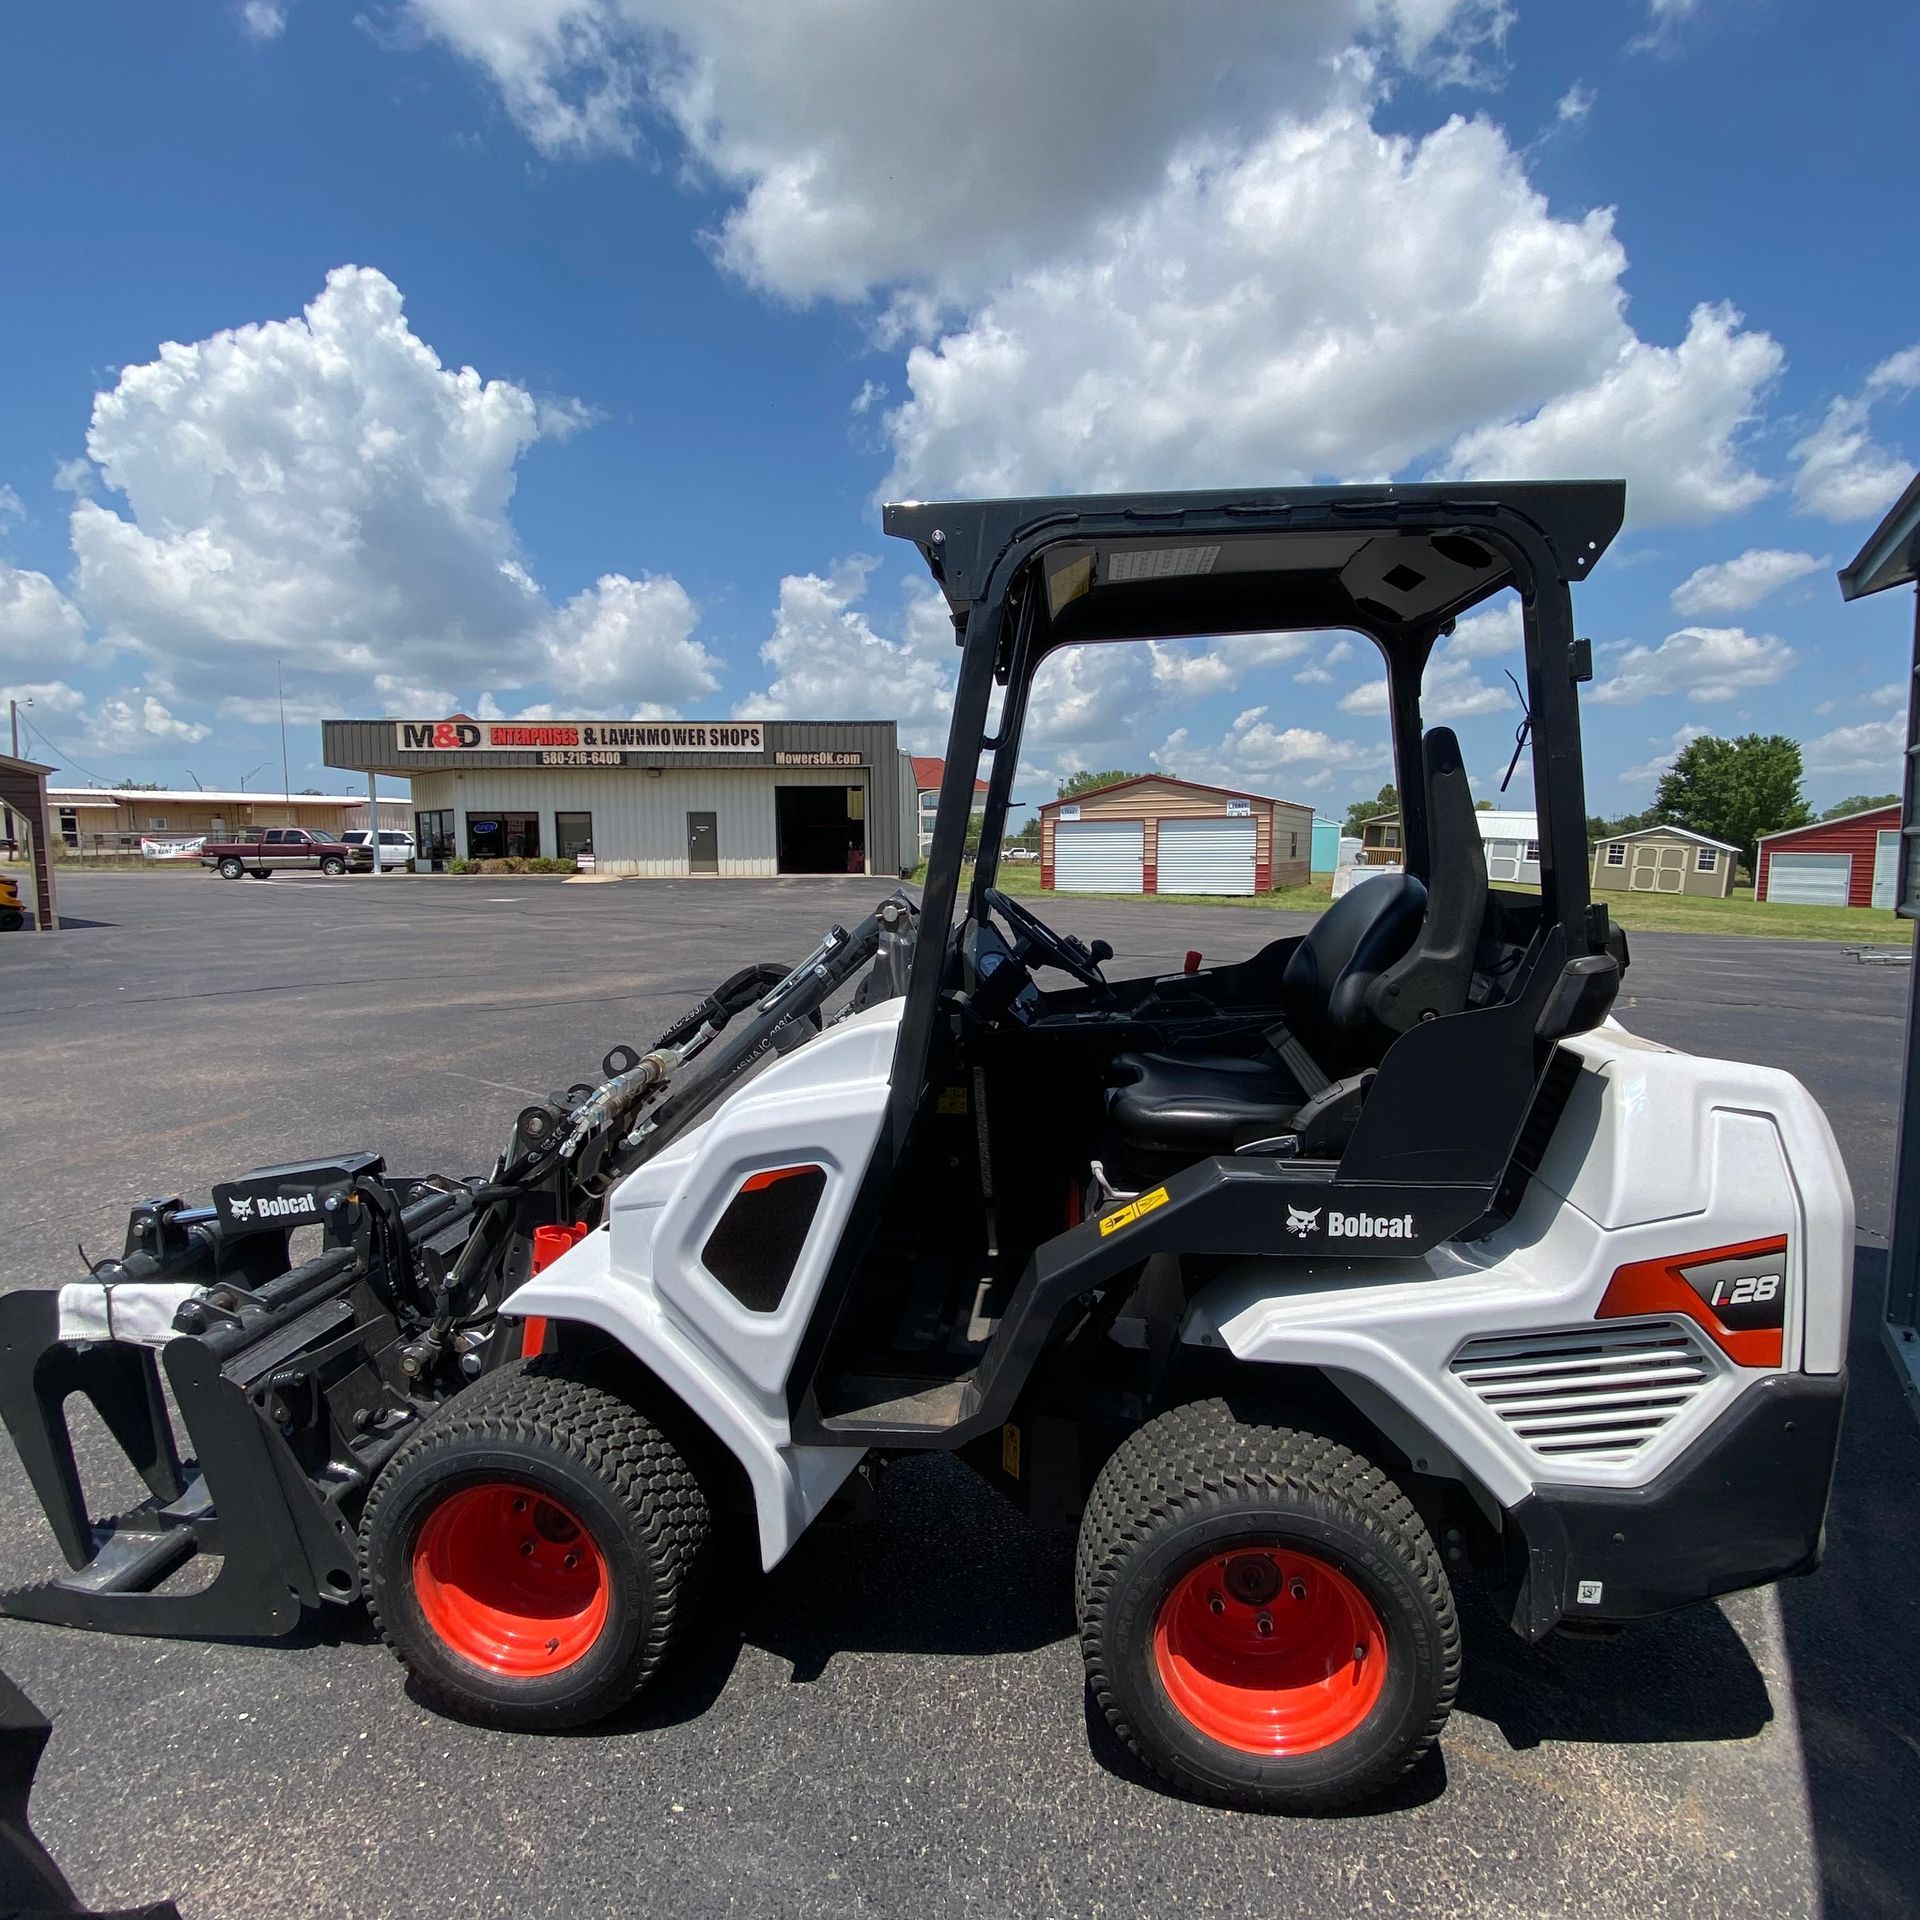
[[1587, 1394]]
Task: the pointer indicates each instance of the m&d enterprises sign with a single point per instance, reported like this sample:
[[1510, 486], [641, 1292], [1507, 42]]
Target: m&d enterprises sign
[[587, 736]]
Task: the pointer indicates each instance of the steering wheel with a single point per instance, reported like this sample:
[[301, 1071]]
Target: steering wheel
[[1060, 950]]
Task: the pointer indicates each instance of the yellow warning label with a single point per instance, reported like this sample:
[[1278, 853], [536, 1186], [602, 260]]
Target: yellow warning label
[[1010, 1450], [1132, 1211], [951, 1100]]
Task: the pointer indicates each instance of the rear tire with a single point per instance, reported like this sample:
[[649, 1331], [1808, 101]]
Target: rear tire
[[231, 869], [12, 919], [1265, 1620], [531, 1552], [262, 873]]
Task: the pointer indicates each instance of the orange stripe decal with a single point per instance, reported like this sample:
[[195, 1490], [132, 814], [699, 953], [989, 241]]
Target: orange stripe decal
[[1662, 1286], [760, 1182]]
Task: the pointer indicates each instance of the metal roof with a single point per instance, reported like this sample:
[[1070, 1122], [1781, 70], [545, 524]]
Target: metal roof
[[1838, 820], [142, 796], [1169, 780], [1891, 556], [1680, 833]]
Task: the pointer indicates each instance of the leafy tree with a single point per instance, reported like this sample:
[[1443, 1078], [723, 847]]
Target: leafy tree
[[1085, 782], [1861, 803], [1600, 827], [1028, 836], [1387, 800], [1735, 790], [1483, 806], [139, 786]]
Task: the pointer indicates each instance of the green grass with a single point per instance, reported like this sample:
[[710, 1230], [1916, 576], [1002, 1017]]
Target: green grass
[[1637, 912]]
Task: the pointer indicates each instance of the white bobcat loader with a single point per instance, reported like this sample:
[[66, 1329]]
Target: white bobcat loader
[[1299, 1284]]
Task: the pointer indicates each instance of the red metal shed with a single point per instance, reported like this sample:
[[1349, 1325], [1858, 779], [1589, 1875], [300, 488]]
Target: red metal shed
[[1853, 861]]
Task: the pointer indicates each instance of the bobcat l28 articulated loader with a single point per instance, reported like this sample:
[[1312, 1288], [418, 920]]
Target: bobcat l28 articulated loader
[[1300, 1283]]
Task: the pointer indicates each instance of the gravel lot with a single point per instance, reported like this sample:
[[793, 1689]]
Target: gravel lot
[[894, 1721]]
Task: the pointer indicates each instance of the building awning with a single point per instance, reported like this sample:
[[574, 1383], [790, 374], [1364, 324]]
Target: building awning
[[1891, 556]]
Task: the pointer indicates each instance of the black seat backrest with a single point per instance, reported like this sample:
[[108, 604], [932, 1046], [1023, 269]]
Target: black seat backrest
[[1324, 989], [1432, 976]]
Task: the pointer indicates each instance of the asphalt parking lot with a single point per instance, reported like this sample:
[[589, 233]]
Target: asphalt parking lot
[[894, 1721]]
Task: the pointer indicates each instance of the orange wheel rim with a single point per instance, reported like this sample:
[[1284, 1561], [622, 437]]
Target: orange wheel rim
[[510, 1580], [1269, 1650]]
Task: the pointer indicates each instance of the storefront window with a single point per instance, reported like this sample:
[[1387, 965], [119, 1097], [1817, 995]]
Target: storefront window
[[572, 834], [433, 834], [503, 836]]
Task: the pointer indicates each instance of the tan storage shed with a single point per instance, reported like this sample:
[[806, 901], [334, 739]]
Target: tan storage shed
[[1664, 860], [1159, 834]]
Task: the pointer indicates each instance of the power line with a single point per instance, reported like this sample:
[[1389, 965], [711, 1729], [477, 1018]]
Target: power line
[[53, 746]]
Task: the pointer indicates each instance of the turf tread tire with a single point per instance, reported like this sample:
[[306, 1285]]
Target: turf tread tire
[[571, 1407], [1202, 1458]]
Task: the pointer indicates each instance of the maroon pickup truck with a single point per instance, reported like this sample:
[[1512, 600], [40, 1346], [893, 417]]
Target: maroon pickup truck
[[284, 850]]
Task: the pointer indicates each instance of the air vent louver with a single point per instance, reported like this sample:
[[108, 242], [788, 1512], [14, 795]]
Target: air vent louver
[[1587, 1395]]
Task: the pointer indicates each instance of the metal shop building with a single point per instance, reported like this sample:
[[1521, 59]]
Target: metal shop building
[[738, 799], [1156, 834], [1853, 861]]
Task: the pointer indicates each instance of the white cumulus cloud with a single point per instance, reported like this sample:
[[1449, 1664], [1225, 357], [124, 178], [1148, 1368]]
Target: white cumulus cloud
[[323, 491], [877, 143], [1697, 663], [1649, 771], [829, 661], [1874, 746], [1843, 473], [1732, 586], [39, 625]]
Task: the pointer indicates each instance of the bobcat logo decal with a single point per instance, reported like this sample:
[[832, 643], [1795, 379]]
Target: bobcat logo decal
[[1302, 1220], [240, 1209]]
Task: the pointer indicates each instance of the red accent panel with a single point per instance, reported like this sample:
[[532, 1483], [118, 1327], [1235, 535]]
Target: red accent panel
[[1046, 878], [760, 1182], [1192, 962], [1263, 877], [533, 1335], [1149, 878], [1658, 1286]]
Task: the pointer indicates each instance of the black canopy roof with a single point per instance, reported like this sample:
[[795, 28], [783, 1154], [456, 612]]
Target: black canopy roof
[[1385, 559]]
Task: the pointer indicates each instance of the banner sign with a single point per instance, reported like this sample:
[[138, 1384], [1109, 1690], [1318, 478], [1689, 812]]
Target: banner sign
[[171, 846], [591, 736]]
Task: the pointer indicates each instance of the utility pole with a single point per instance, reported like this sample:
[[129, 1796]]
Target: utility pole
[[373, 824], [13, 717], [286, 778]]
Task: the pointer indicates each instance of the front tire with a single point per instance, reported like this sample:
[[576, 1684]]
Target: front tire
[[530, 1553], [262, 873], [1265, 1620], [333, 864], [231, 870], [12, 919]]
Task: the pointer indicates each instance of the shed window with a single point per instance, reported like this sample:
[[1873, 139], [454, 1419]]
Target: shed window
[[1616, 853], [1533, 851], [1293, 846], [1705, 859]]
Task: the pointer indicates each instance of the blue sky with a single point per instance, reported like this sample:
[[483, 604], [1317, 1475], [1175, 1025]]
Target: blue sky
[[553, 355]]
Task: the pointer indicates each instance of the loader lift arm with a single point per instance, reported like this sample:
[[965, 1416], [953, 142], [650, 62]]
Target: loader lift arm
[[296, 1382]]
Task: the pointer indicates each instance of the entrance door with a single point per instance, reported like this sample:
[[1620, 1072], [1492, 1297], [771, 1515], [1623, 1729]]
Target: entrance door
[[1657, 869], [1886, 867], [703, 843]]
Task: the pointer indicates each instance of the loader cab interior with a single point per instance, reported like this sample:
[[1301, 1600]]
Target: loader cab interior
[[1400, 1037]]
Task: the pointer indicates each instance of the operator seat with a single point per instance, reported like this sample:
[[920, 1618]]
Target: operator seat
[[1388, 953]]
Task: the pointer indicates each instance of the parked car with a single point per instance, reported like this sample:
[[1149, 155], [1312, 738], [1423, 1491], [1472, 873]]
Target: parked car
[[396, 849], [13, 916], [285, 850]]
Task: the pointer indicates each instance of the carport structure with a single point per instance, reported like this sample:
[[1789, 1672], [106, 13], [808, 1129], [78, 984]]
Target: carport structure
[[1891, 558], [23, 792]]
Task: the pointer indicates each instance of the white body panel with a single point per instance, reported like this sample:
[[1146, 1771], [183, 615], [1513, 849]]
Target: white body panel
[[1657, 1154], [642, 1280]]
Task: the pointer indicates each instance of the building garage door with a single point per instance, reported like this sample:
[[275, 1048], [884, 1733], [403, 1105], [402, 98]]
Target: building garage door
[[1206, 856], [1809, 879], [1097, 856], [1886, 867]]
